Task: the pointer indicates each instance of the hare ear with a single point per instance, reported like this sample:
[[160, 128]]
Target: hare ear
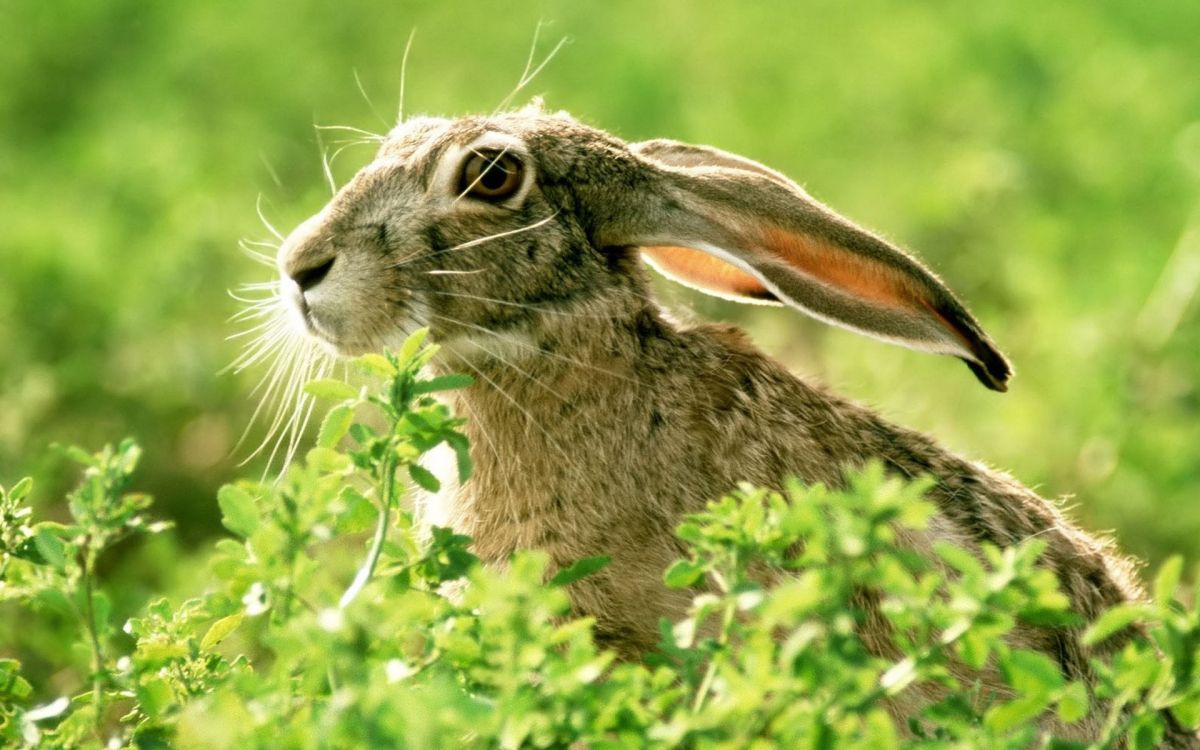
[[737, 229]]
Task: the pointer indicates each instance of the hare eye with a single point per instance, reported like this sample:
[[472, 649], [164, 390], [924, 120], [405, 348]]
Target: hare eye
[[491, 175]]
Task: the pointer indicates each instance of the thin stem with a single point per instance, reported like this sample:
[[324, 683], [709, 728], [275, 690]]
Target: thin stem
[[385, 512], [711, 672], [93, 634]]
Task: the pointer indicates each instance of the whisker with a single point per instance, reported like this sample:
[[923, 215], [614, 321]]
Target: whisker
[[447, 272], [263, 218], [291, 390], [302, 412], [272, 323], [328, 171], [478, 241], [366, 134], [256, 353], [270, 170], [482, 172], [348, 144], [254, 311], [527, 76], [545, 352], [404, 75], [272, 376], [506, 363], [543, 308], [531, 419], [370, 104], [246, 300]]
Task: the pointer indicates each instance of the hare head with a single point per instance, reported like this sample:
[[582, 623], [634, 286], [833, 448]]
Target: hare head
[[486, 222]]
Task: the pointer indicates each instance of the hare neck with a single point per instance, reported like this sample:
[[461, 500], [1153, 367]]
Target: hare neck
[[557, 360], [549, 410]]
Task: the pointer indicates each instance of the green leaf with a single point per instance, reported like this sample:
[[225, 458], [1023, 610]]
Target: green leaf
[[1005, 717], [221, 630], [683, 573], [579, 569], [442, 383], [462, 454], [958, 558], [410, 346], [1111, 622], [12, 684], [154, 696], [1073, 703], [424, 478], [1031, 673], [239, 513], [79, 455], [329, 388], [376, 365], [20, 489], [335, 425], [51, 548], [1167, 580], [327, 460]]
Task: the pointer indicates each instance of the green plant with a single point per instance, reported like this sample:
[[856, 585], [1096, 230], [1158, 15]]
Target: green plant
[[301, 640]]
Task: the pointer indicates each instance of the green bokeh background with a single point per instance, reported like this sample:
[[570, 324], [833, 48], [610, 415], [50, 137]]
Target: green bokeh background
[[1043, 158]]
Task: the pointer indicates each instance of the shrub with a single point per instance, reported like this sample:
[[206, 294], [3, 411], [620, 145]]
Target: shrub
[[422, 647]]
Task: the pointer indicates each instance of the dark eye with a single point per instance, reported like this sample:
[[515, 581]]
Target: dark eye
[[491, 175]]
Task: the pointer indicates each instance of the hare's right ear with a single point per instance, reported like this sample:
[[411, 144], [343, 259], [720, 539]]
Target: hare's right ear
[[732, 227]]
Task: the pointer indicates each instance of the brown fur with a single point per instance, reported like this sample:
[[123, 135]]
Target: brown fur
[[596, 422]]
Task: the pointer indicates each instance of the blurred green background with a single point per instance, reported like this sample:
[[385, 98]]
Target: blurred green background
[[1043, 158]]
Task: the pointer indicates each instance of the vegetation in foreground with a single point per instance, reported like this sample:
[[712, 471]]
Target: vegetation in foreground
[[283, 647]]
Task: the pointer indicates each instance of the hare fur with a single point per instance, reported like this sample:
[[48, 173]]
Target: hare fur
[[596, 421]]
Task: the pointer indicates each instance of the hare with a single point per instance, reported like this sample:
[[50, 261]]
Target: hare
[[596, 421]]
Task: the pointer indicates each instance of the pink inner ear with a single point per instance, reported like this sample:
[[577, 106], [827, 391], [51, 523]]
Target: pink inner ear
[[853, 274], [702, 271], [858, 276]]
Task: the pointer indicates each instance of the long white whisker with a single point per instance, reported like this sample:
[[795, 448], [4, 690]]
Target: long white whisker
[[257, 351], [541, 308], [404, 75], [531, 419], [270, 170], [325, 168], [247, 300], [255, 311], [351, 129], [370, 104], [544, 352], [506, 363], [266, 324], [263, 218], [482, 172], [527, 75], [289, 391], [478, 241], [274, 372]]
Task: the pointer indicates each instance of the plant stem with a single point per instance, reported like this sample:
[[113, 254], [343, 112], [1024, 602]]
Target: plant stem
[[711, 672], [385, 512], [90, 622]]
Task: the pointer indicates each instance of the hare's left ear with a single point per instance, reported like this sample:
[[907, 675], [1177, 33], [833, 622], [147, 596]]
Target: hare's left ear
[[732, 227]]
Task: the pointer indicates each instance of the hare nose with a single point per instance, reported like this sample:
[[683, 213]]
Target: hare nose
[[307, 278]]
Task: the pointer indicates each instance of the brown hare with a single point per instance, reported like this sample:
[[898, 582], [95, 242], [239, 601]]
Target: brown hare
[[596, 421]]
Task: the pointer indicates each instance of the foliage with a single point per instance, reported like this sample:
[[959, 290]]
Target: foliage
[[425, 648], [1044, 161]]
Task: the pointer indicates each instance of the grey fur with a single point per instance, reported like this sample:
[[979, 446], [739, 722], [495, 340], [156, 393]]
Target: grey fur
[[596, 421]]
